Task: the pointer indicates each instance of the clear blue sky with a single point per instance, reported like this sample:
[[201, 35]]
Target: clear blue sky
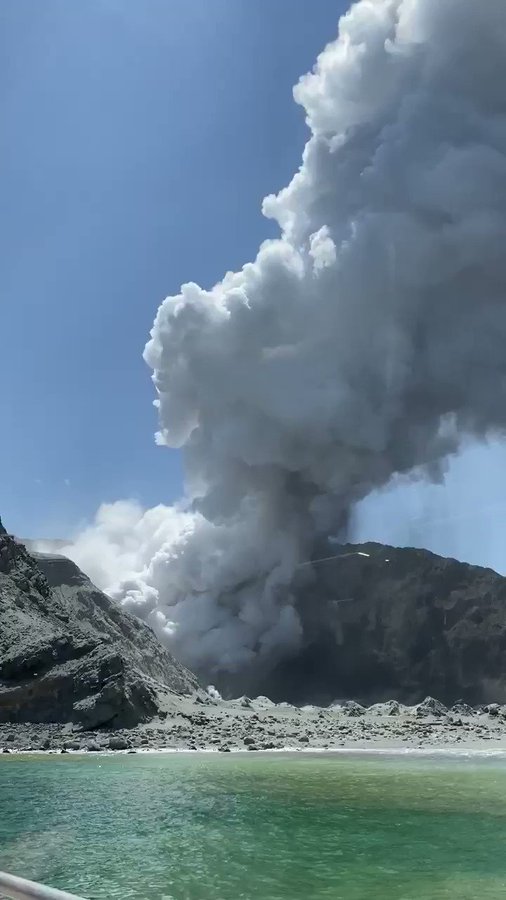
[[138, 140]]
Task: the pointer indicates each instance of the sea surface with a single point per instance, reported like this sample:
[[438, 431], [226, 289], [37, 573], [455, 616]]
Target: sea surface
[[226, 827]]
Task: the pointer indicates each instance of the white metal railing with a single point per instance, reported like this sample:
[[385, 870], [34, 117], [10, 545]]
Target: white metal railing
[[20, 889]]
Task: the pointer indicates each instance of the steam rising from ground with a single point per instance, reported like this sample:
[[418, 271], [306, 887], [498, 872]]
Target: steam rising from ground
[[365, 342]]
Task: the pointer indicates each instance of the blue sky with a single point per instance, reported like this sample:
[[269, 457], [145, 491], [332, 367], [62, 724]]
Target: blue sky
[[139, 138], [138, 141]]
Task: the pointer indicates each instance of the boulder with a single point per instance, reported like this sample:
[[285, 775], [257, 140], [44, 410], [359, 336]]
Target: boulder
[[118, 743], [352, 708], [462, 709], [431, 707], [388, 708]]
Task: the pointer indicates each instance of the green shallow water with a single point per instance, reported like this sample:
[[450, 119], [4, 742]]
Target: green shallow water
[[226, 827]]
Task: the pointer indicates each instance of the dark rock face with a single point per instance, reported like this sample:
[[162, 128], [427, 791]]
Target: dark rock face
[[396, 623], [389, 624], [68, 653]]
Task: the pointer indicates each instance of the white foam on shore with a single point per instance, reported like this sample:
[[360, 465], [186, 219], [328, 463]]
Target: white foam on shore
[[419, 752]]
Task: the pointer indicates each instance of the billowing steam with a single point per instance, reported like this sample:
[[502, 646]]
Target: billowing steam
[[364, 342]]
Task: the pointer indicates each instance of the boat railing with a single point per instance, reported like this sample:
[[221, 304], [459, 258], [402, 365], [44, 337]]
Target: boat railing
[[20, 889]]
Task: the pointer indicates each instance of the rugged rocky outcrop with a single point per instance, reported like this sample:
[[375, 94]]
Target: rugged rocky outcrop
[[380, 623], [68, 653], [395, 623]]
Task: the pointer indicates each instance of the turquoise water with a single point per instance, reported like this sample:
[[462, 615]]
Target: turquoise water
[[226, 827]]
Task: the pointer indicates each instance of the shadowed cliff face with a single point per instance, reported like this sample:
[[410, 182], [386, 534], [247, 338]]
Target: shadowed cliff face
[[378, 622], [70, 653], [398, 623]]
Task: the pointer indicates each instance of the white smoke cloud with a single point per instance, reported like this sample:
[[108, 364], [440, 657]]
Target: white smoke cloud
[[364, 342], [214, 692]]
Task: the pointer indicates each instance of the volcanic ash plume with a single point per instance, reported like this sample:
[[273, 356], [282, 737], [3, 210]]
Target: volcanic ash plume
[[365, 341]]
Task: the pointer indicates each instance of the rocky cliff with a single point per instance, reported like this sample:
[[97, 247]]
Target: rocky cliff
[[68, 653], [395, 623], [379, 623]]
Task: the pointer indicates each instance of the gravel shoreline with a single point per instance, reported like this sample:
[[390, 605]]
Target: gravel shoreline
[[259, 725]]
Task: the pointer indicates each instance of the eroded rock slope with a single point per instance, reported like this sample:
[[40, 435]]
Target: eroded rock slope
[[68, 653]]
